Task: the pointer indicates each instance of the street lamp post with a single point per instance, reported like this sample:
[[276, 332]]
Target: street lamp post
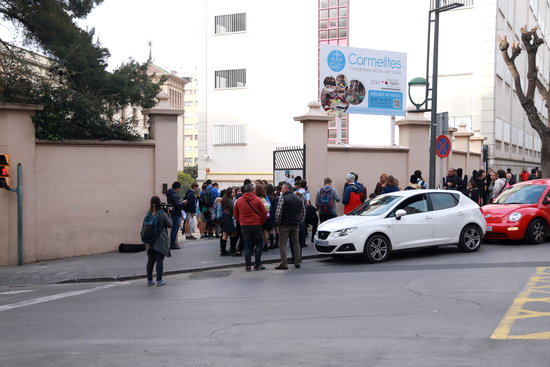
[[438, 6], [420, 85]]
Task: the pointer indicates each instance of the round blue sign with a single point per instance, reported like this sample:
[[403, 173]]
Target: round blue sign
[[336, 60], [443, 146]]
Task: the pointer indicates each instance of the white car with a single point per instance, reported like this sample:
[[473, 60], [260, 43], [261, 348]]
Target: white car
[[403, 220]]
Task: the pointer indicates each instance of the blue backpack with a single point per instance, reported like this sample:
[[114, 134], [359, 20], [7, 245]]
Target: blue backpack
[[150, 229], [326, 203]]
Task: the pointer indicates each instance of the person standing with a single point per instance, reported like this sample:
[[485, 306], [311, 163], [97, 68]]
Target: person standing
[[352, 197], [251, 214], [160, 248], [190, 210], [288, 216], [524, 175], [326, 200], [177, 206], [392, 185], [381, 184], [228, 228]]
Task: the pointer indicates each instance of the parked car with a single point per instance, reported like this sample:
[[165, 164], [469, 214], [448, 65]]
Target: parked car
[[520, 213], [404, 220]]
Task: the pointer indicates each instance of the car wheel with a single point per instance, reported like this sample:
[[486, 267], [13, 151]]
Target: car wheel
[[377, 249], [536, 231], [470, 238]]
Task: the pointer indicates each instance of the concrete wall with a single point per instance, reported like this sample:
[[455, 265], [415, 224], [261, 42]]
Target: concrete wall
[[81, 197], [91, 196]]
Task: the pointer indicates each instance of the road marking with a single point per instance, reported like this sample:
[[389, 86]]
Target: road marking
[[15, 292], [537, 290], [54, 297]]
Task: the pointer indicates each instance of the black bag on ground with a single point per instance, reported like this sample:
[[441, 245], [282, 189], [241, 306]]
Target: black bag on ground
[[128, 247]]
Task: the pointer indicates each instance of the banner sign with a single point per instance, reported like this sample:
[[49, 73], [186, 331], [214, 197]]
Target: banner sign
[[358, 80]]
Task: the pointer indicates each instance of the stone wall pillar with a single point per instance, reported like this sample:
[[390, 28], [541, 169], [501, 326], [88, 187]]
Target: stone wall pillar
[[315, 123], [414, 133], [164, 131], [17, 138]]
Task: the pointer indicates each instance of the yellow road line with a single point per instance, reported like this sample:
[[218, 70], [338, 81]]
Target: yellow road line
[[537, 284]]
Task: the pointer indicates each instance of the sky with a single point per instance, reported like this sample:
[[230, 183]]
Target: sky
[[125, 27]]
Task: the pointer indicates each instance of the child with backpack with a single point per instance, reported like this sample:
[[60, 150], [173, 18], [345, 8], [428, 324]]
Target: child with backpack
[[326, 199], [154, 234]]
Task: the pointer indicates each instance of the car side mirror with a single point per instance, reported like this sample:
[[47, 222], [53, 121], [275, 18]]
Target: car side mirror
[[399, 214], [546, 201]]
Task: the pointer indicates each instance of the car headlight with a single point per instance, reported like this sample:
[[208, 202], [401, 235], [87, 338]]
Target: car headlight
[[514, 217], [344, 232]]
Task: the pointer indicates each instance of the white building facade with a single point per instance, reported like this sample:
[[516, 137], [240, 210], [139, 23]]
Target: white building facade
[[261, 68]]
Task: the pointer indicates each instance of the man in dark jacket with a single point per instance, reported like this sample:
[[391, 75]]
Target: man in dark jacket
[[175, 203], [290, 213]]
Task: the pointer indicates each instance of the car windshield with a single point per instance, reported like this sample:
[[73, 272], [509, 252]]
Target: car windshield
[[377, 206], [521, 194]]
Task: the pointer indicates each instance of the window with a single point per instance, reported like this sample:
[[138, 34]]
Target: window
[[413, 205], [443, 201], [235, 78], [230, 23], [229, 134]]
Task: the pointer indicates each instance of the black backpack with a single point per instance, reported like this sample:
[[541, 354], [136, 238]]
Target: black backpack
[[206, 200]]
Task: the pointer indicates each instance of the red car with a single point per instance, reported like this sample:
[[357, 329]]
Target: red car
[[520, 213]]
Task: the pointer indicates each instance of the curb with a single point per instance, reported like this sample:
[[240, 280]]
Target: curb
[[124, 278]]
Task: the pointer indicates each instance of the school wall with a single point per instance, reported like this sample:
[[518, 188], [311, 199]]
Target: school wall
[[81, 197], [91, 196]]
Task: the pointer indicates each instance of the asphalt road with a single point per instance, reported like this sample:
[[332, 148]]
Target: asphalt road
[[423, 308]]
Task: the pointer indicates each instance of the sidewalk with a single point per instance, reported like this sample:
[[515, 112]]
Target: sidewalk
[[195, 255]]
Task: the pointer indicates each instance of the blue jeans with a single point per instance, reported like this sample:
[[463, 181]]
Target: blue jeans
[[175, 228]]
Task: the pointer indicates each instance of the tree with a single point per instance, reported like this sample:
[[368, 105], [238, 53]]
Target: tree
[[531, 43], [192, 170], [185, 179], [79, 95]]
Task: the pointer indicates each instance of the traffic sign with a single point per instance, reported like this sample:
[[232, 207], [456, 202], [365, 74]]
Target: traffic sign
[[442, 146]]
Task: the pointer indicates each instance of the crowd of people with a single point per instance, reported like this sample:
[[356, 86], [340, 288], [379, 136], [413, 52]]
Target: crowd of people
[[258, 217]]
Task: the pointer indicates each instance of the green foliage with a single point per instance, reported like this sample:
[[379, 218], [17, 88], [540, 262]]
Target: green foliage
[[80, 97], [185, 180], [193, 171]]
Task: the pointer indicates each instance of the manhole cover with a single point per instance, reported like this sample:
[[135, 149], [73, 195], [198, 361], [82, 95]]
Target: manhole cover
[[211, 274]]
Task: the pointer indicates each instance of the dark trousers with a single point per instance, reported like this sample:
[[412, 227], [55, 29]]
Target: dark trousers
[[175, 228], [152, 258], [325, 217], [253, 241], [302, 235]]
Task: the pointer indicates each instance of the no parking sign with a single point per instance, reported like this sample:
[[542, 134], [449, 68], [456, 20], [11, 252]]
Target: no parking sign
[[442, 146]]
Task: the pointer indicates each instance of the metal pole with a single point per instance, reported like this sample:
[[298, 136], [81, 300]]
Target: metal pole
[[434, 98], [19, 214]]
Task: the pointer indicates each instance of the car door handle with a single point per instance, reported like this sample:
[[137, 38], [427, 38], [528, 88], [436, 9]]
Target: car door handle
[[428, 217], [460, 213]]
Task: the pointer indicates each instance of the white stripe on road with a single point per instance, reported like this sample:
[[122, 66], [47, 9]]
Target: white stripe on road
[[54, 297], [15, 292]]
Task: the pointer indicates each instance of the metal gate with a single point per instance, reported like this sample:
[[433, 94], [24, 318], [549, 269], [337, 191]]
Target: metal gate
[[289, 162]]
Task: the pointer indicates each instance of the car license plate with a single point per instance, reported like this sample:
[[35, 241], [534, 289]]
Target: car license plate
[[321, 243], [489, 228]]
